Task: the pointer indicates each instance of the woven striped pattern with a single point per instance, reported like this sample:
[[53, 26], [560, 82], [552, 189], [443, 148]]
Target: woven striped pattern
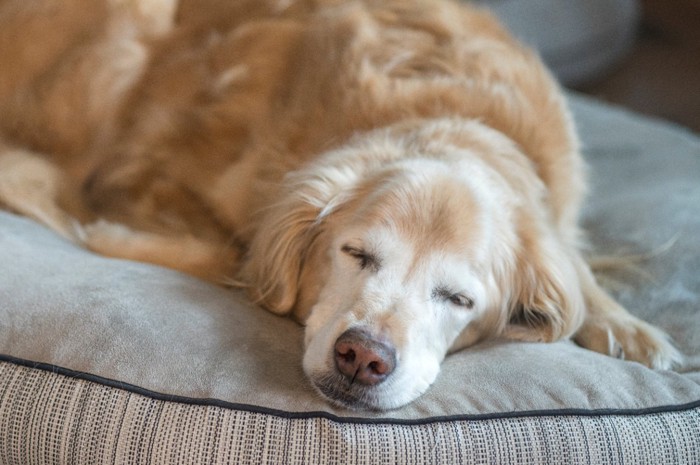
[[48, 418]]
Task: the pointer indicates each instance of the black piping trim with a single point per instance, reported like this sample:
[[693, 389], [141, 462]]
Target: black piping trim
[[208, 402]]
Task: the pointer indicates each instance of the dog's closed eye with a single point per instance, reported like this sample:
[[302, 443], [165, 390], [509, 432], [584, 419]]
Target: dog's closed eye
[[455, 298], [365, 259]]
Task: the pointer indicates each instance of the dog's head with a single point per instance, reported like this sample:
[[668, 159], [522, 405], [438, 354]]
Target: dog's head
[[396, 250]]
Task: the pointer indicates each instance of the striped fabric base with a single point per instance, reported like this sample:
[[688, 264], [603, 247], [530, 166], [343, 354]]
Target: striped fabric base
[[52, 416]]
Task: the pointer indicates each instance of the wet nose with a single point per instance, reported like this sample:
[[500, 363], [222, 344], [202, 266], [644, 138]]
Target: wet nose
[[362, 358]]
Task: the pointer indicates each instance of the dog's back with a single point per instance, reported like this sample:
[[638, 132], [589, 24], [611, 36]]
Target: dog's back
[[185, 117]]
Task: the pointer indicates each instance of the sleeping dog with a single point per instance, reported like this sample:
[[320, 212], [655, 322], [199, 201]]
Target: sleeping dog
[[400, 176]]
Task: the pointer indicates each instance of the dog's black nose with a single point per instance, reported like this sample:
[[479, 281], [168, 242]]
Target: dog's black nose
[[362, 358]]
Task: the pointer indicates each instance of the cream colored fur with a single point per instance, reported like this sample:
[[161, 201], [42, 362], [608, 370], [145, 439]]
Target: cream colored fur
[[278, 144]]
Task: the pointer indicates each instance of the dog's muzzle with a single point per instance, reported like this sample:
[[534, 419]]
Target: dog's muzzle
[[362, 362]]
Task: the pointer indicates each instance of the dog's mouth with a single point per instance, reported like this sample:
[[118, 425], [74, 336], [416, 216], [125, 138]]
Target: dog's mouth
[[345, 393]]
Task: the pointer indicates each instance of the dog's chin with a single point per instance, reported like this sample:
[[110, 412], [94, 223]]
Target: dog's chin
[[339, 391]]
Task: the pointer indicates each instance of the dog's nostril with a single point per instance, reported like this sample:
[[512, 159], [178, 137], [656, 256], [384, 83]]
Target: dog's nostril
[[378, 368], [348, 355], [362, 358]]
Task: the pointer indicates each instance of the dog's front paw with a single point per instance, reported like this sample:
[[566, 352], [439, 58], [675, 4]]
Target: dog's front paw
[[208, 260], [629, 338], [107, 238]]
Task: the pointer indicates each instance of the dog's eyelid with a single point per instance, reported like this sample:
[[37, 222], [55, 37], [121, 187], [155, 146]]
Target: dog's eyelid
[[356, 252], [455, 298], [462, 301], [364, 258]]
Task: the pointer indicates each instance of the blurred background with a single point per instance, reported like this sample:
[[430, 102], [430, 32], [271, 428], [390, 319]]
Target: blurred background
[[640, 54]]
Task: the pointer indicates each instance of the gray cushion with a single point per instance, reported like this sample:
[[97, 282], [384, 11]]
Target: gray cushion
[[150, 338], [579, 40]]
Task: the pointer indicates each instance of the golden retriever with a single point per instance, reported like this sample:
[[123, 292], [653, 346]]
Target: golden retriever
[[401, 176]]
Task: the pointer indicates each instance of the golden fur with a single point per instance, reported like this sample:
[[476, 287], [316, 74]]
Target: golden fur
[[240, 141]]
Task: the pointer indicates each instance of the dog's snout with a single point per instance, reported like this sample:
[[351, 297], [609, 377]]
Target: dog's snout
[[363, 358]]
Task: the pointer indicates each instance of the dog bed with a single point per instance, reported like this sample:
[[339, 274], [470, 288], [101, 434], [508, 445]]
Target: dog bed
[[110, 361]]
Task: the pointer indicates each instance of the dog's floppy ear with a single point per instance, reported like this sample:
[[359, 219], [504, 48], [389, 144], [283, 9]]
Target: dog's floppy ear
[[273, 263], [547, 304], [284, 265]]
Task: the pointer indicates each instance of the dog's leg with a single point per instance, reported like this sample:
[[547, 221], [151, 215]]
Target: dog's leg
[[212, 261], [31, 186], [610, 329]]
